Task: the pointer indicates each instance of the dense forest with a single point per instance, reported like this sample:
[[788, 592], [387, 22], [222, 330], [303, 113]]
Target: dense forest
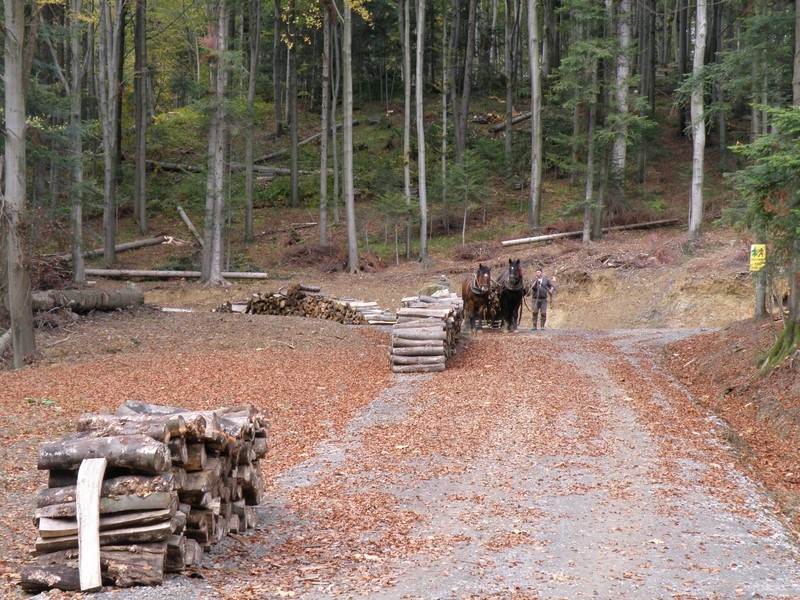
[[100, 96]]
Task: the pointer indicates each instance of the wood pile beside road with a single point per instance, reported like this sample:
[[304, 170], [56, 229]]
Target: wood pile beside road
[[297, 301], [306, 301], [168, 484], [426, 333]]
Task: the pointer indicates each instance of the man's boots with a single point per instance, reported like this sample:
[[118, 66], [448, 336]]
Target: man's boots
[[534, 321], [544, 318]]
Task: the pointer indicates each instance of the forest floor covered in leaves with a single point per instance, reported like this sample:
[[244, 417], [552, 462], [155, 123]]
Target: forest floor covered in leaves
[[631, 451]]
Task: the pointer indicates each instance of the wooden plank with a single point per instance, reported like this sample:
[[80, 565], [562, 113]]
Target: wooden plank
[[90, 479], [130, 535], [113, 504], [52, 528]]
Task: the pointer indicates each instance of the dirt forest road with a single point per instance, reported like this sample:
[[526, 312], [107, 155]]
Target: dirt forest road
[[561, 464]]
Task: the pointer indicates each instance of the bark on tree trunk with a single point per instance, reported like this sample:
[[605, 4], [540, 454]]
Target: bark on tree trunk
[[421, 169], [277, 68], [698, 125], [136, 452], [141, 115], [212, 241], [534, 214], [18, 291], [294, 196], [85, 301], [347, 94], [325, 127], [255, 52], [76, 143]]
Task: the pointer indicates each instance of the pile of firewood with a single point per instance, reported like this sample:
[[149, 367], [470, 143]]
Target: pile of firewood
[[171, 483], [426, 333], [299, 301]]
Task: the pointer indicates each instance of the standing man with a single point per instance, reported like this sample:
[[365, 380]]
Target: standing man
[[540, 288]]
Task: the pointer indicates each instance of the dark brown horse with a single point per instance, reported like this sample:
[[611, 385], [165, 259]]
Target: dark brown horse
[[475, 293], [512, 291]]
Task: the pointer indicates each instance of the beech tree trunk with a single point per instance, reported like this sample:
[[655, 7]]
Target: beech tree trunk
[[698, 125], [76, 141], [421, 168], [255, 52], [534, 214], [291, 99], [325, 127], [347, 176], [108, 59], [18, 290], [217, 145], [140, 78], [616, 198]]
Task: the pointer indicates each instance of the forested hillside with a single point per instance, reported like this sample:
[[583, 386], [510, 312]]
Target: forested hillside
[[435, 124]]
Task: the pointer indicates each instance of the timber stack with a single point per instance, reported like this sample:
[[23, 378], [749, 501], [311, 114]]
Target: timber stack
[[302, 301], [426, 332], [171, 483]]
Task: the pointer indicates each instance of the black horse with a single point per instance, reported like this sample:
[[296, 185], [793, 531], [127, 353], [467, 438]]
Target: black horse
[[475, 293], [512, 291]]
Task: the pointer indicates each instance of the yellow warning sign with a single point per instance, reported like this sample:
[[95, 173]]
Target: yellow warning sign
[[758, 256]]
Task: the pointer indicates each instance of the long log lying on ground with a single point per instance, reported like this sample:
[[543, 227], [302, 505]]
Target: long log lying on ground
[[85, 301], [567, 234], [135, 273], [153, 241], [518, 119]]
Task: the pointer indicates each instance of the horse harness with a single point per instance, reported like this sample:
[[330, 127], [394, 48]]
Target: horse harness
[[475, 288]]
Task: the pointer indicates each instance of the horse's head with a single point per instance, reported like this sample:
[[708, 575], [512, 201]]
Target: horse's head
[[483, 279], [514, 272]]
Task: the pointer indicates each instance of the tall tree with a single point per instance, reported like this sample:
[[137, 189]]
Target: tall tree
[[109, 26], [794, 272], [217, 144], [278, 68], [421, 169], [325, 126], [254, 48], [76, 139], [620, 117], [698, 124], [18, 287], [347, 146], [336, 59], [445, 72], [404, 13], [140, 79], [291, 100], [535, 212], [461, 112]]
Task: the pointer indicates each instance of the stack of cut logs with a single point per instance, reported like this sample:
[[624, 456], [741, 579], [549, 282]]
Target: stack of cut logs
[[426, 332], [174, 483], [297, 301]]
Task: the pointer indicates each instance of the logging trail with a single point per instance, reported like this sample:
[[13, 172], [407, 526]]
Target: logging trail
[[591, 460], [563, 464]]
